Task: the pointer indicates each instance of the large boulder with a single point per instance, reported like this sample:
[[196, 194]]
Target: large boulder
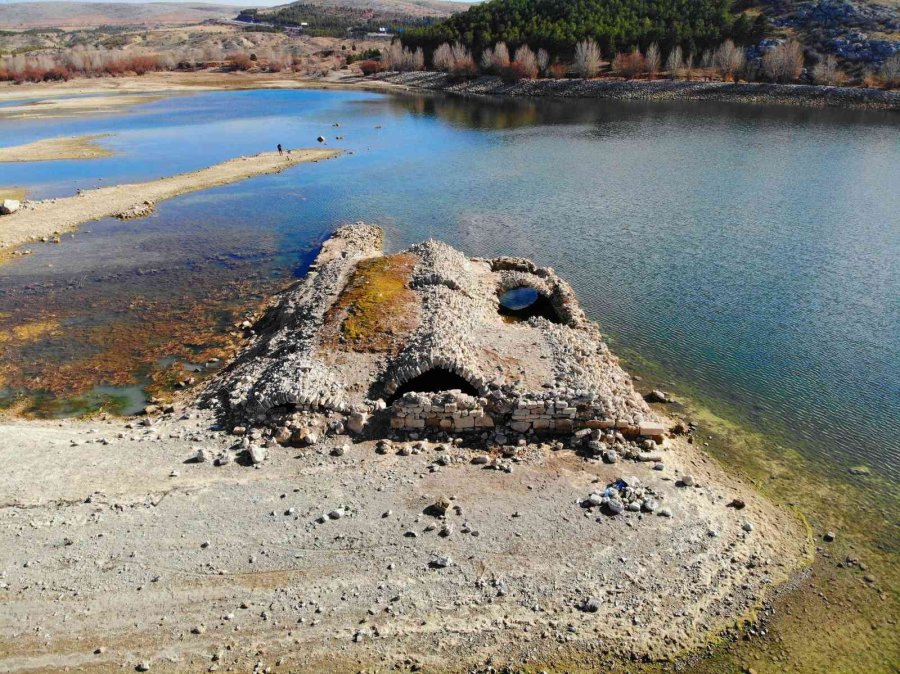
[[9, 206]]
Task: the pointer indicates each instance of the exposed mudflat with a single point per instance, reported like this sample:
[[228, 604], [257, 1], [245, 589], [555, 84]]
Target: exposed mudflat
[[115, 551]]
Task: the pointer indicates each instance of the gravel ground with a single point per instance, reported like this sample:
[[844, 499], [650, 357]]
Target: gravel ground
[[118, 551]]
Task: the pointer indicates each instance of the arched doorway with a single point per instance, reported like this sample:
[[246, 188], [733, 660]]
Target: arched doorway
[[432, 381]]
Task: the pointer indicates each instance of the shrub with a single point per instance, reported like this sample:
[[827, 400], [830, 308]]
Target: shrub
[[587, 59], [558, 71], [630, 65], [464, 68], [239, 61], [371, 66]]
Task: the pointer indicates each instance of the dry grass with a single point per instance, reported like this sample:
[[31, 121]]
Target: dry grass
[[374, 309]]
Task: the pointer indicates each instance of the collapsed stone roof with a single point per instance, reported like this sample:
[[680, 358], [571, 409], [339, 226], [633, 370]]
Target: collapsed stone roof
[[366, 333]]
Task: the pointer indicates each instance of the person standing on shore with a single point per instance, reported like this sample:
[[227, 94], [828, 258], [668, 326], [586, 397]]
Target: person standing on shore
[[280, 150]]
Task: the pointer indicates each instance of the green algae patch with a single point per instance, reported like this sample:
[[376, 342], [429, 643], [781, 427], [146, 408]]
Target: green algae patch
[[376, 308]]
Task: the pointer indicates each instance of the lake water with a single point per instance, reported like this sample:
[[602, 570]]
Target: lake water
[[753, 252]]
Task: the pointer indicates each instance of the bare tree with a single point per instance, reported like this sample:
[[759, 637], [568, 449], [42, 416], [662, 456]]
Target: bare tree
[[442, 59], [826, 71], [543, 61], [499, 58], [653, 59], [729, 59], [587, 58], [487, 59], [784, 62], [675, 62], [890, 71], [526, 63]]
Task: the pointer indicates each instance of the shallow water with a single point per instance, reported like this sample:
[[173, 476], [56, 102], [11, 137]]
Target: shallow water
[[751, 251]]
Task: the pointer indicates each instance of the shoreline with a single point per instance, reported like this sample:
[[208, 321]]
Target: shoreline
[[852, 98], [51, 217], [114, 94], [53, 149]]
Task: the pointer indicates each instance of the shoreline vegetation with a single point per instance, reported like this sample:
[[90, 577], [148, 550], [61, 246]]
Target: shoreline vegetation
[[52, 149], [46, 219], [77, 97], [650, 90]]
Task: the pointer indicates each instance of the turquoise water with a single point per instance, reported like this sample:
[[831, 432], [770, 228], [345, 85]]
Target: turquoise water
[[751, 251]]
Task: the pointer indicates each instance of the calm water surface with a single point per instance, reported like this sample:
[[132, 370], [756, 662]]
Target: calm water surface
[[753, 252]]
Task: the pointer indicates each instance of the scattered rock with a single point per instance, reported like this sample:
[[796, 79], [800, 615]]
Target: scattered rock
[[440, 562], [829, 536], [590, 605], [257, 454], [357, 421], [9, 206]]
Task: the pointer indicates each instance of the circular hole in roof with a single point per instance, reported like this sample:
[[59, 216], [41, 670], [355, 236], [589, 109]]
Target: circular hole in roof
[[519, 298]]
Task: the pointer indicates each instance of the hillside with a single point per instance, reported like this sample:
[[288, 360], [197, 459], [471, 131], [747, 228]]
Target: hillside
[[416, 8], [558, 25], [24, 15], [334, 17]]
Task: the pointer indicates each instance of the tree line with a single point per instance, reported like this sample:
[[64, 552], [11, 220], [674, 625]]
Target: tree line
[[557, 26], [783, 63]]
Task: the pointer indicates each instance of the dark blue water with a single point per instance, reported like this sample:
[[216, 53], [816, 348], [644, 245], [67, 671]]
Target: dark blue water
[[751, 251]]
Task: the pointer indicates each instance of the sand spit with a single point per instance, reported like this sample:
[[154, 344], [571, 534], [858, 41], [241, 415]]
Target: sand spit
[[314, 538], [63, 107], [40, 219], [50, 149]]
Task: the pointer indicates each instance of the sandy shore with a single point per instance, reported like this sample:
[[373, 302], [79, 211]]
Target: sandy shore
[[49, 149], [110, 94], [126, 552], [49, 217]]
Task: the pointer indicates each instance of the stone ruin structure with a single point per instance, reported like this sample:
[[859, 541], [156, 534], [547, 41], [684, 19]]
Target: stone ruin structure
[[418, 342]]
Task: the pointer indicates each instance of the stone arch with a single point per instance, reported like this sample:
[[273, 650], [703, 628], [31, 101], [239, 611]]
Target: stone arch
[[433, 370], [556, 300]]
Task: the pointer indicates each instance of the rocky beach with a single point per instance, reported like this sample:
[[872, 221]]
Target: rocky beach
[[653, 90]]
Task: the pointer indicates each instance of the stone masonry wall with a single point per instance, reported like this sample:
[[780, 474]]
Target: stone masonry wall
[[547, 412]]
